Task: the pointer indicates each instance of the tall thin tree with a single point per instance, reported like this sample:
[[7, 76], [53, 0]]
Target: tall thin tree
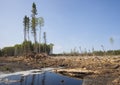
[[45, 41], [25, 33], [34, 24], [28, 28], [41, 24], [25, 27]]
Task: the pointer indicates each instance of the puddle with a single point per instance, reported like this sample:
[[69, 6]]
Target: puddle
[[46, 78]]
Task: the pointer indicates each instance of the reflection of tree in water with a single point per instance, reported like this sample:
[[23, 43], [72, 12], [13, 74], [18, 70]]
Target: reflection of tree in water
[[43, 79], [21, 80], [37, 79], [26, 80], [33, 79]]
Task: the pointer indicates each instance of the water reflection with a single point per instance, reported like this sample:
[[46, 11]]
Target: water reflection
[[21, 80], [43, 79], [47, 78]]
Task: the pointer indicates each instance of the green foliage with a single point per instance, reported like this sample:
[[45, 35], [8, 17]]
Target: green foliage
[[109, 52], [41, 21], [28, 27], [27, 47], [25, 26], [98, 53], [34, 23], [8, 51], [113, 52], [24, 48], [34, 10], [18, 50], [26, 23], [0, 52]]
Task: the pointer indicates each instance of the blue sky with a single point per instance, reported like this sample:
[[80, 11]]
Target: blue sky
[[69, 23]]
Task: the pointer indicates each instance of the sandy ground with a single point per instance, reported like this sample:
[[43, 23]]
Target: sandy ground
[[105, 70]]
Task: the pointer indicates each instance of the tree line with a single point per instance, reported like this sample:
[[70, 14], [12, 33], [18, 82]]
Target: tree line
[[30, 26], [24, 48], [94, 53]]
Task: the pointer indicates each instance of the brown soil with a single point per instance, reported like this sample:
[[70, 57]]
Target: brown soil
[[103, 70]]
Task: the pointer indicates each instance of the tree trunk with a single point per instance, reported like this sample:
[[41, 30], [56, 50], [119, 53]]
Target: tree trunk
[[40, 39], [28, 36], [24, 34], [35, 40]]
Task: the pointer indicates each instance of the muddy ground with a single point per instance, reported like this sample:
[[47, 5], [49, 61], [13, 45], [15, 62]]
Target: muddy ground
[[103, 70]]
